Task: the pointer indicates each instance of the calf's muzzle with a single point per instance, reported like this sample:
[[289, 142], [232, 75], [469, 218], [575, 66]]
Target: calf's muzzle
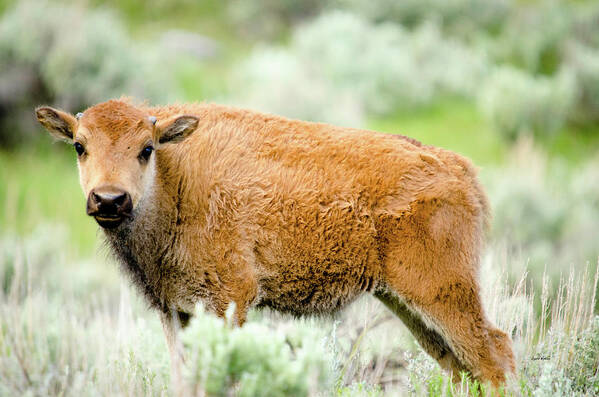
[[109, 206]]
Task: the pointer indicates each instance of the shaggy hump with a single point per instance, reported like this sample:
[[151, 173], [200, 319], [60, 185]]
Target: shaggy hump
[[115, 117]]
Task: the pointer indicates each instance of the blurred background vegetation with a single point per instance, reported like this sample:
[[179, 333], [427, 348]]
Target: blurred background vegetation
[[512, 84]]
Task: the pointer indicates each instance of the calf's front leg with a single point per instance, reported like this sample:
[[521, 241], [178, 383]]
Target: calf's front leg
[[170, 325]]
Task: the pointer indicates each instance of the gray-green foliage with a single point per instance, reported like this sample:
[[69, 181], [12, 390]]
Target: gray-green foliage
[[519, 103], [61, 333], [583, 61], [360, 389], [460, 17], [269, 18], [73, 58], [584, 370], [531, 67], [275, 80], [340, 67], [256, 360], [532, 38], [578, 375], [543, 211]]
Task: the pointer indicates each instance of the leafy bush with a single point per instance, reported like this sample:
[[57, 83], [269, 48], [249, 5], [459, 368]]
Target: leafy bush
[[518, 103], [72, 59], [583, 61], [459, 17], [565, 360], [255, 360], [584, 370], [270, 18], [50, 311], [384, 64], [533, 37], [275, 80], [341, 65], [545, 213]]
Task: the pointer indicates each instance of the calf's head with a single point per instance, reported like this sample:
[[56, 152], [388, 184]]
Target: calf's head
[[115, 143]]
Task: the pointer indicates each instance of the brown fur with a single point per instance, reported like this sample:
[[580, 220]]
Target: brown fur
[[259, 210]]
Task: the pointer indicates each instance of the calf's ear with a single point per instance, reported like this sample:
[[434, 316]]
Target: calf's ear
[[176, 129], [60, 125]]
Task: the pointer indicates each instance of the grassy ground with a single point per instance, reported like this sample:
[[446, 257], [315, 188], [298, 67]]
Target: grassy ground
[[41, 184], [457, 125], [452, 124]]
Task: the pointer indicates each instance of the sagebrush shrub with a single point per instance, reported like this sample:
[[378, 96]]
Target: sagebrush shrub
[[532, 38], [457, 16], [543, 212], [583, 62], [584, 370], [341, 66], [270, 18], [255, 360], [517, 103]]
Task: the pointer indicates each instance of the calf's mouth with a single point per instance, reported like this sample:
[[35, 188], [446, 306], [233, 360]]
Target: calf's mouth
[[109, 221]]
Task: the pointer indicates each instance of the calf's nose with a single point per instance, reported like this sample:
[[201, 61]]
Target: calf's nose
[[109, 202]]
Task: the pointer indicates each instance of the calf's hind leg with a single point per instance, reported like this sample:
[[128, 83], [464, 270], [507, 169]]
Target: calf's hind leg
[[429, 339], [431, 264], [459, 321]]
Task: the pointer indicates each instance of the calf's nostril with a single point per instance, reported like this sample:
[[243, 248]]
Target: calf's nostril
[[119, 200], [109, 203]]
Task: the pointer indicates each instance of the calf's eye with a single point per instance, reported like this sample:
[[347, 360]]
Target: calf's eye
[[79, 148], [146, 153]]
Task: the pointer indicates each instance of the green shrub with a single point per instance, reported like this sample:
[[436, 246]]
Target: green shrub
[[518, 103], [583, 61], [339, 67], [533, 37], [275, 80], [459, 17], [543, 213], [271, 18], [584, 370], [255, 360], [67, 330]]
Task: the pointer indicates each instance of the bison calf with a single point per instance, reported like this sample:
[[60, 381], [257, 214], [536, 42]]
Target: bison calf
[[221, 205]]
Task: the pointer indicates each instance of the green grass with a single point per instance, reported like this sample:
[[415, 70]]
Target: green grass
[[41, 184], [207, 17], [451, 124], [202, 81], [457, 125], [574, 144]]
